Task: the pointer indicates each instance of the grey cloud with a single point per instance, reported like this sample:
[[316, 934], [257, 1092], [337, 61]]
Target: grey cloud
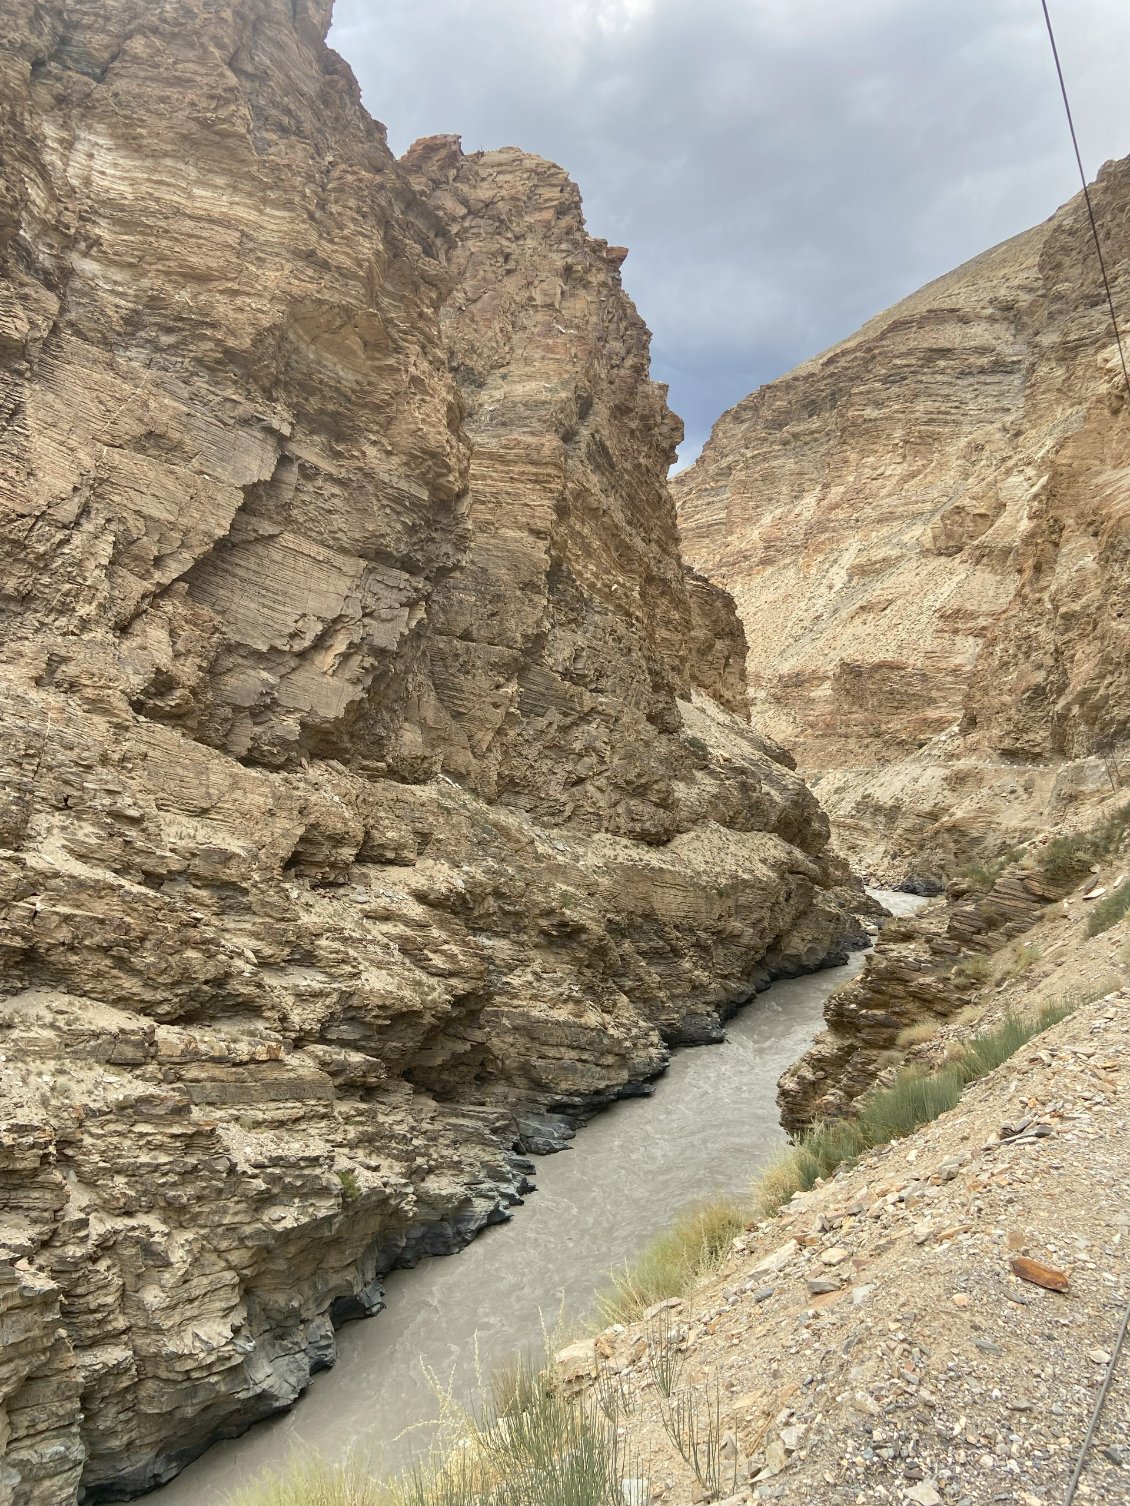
[[780, 169]]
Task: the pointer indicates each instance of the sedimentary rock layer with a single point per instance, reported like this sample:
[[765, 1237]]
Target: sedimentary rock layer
[[908, 987], [374, 777], [927, 532]]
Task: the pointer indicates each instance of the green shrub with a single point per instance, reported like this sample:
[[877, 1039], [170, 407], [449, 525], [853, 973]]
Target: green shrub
[[1070, 856], [1109, 910], [697, 745], [984, 875], [913, 1099], [974, 969], [558, 1451], [350, 1186], [674, 1262], [984, 1053]]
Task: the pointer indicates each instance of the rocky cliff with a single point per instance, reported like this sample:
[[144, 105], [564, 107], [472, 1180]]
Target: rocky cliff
[[378, 793], [927, 532]]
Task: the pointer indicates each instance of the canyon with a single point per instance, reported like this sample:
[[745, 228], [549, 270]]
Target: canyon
[[926, 530], [379, 794], [388, 781]]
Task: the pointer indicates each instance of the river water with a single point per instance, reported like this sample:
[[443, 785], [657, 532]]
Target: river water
[[710, 1124]]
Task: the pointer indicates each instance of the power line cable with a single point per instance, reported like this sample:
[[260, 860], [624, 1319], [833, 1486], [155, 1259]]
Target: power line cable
[[1097, 1411], [1086, 194]]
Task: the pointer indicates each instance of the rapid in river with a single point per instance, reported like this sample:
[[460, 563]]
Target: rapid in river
[[711, 1122]]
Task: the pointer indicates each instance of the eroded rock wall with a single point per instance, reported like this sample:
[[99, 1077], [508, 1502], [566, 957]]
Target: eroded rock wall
[[926, 530], [376, 783]]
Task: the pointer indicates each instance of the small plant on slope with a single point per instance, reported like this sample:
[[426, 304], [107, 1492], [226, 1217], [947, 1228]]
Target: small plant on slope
[[1070, 856], [1109, 910], [693, 1421], [671, 1264], [913, 1099]]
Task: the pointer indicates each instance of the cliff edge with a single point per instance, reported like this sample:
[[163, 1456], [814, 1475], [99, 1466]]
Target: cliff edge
[[926, 530], [378, 794]]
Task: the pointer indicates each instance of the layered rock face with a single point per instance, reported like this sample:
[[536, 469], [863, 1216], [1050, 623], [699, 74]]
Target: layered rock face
[[377, 788], [927, 532], [908, 985]]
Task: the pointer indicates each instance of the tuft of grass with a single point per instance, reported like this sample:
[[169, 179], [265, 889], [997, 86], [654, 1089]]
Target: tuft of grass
[[513, 1387], [1070, 856], [310, 1481], [984, 1053], [917, 1035], [1022, 959], [545, 1449], [559, 1451], [1109, 910], [665, 1353], [812, 1156], [983, 876], [975, 969], [913, 1099], [675, 1262], [693, 1422]]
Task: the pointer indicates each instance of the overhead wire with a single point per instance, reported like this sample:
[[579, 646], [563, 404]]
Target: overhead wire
[[1112, 1362], [1086, 194], [1096, 1412]]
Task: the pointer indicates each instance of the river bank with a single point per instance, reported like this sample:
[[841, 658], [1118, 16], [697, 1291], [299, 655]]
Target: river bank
[[711, 1121]]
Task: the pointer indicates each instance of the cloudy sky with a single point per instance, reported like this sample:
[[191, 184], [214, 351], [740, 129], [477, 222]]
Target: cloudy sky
[[780, 169]]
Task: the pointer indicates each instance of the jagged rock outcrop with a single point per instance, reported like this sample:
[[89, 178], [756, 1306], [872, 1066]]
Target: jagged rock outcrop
[[374, 777], [927, 532], [908, 984]]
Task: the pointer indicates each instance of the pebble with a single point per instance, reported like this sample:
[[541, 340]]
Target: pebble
[[925, 1494]]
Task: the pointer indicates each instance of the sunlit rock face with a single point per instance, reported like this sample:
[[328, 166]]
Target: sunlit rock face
[[374, 776], [927, 532]]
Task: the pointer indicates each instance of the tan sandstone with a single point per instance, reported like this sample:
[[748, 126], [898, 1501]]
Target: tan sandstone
[[376, 793], [927, 533]]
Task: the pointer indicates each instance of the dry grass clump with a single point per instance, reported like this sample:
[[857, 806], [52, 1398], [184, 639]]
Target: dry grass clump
[[544, 1449], [913, 1099], [1024, 957], [1109, 910], [676, 1261], [975, 969], [311, 1481], [1070, 856], [917, 1035]]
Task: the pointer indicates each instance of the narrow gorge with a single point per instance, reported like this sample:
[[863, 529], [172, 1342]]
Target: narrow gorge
[[388, 781], [379, 796]]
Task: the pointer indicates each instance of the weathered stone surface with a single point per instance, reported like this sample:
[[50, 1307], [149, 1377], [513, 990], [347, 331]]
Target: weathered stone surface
[[927, 532], [372, 785], [907, 982]]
